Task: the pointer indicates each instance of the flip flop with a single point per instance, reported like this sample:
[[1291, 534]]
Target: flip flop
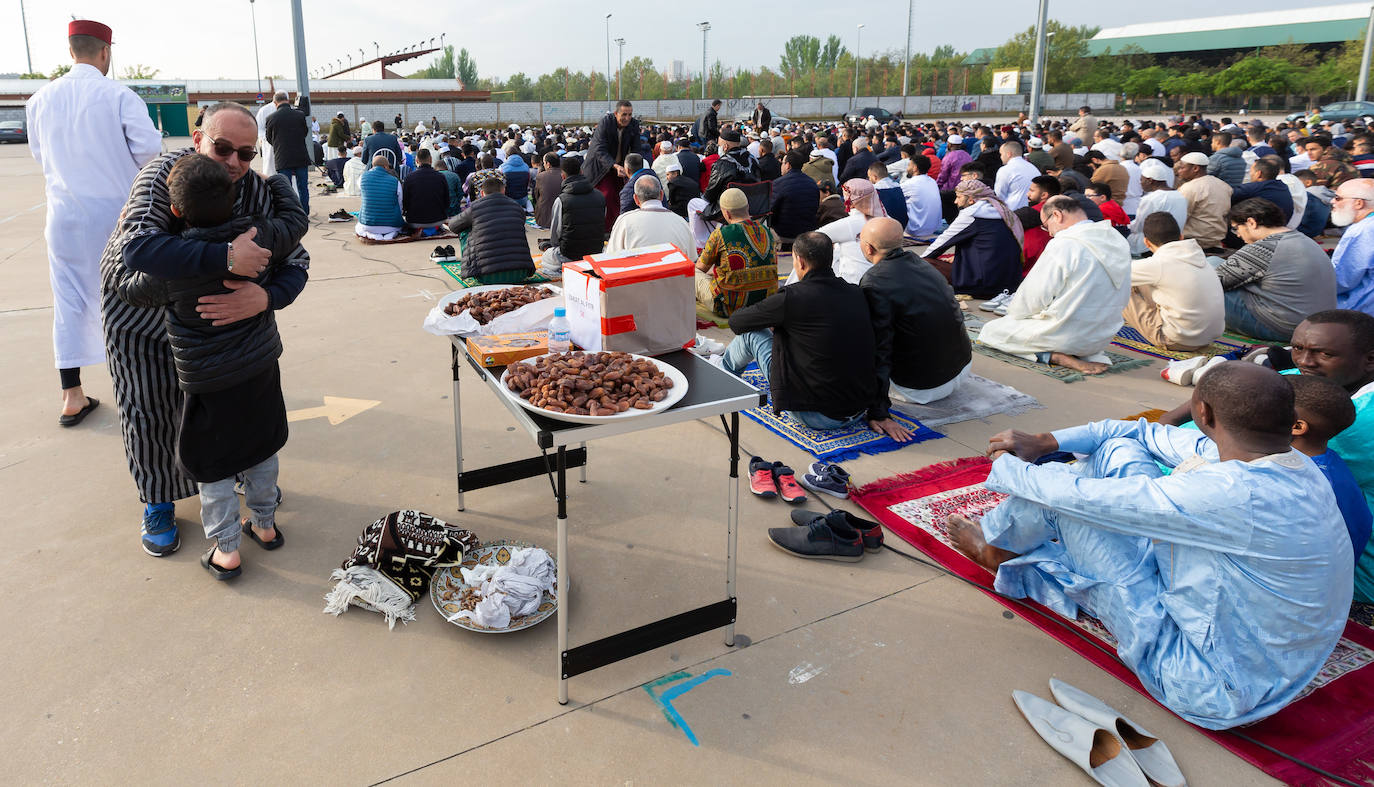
[[218, 572], [79, 416], [268, 545]]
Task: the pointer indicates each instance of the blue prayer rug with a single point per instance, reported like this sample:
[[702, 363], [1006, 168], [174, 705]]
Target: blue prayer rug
[[833, 445]]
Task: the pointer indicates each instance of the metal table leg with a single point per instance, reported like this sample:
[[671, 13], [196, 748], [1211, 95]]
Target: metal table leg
[[458, 424], [561, 493], [583, 479], [732, 519]]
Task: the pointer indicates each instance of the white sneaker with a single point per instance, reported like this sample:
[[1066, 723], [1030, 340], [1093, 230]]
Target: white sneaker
[[1001, 310], [707, 347], [992, 304], [717, 361], [1207, 367]]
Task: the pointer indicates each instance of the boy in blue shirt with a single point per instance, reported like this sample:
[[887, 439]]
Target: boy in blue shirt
[[1325, 410]]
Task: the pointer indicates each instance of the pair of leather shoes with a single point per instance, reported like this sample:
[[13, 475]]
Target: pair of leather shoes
[[1110, 748]]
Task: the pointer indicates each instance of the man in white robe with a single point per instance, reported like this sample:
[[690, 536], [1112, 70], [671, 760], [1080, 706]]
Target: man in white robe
[[1069, 306], [652, 224], [269, 167], [91, 135]]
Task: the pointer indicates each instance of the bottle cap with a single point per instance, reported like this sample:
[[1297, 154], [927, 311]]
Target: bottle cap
[[560, 311]]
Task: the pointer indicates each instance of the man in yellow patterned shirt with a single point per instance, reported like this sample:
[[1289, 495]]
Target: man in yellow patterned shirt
[[739, 264]]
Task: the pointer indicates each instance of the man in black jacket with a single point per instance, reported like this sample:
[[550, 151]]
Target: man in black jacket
[[796, 198], [576, 220], [679, 190], [495, 250], [424, 194], [921, 347], [762, 118], [707, 127], [735, 165], [690, 161], [288, 132], [378, 142], [769, 166], [819, 357], [857, 165]]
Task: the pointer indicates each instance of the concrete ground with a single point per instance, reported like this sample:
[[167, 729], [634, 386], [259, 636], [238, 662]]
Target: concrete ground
[[122, 668]]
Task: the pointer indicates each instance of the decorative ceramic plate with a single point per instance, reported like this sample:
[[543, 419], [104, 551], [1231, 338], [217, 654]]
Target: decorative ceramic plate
[[447, 589], [674, 396]]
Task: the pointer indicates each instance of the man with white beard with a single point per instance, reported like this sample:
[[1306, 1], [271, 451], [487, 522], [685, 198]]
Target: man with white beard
[[1354, 255]]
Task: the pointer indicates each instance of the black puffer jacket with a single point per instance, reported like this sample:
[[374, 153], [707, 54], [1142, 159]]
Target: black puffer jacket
[[733, 166], [496, 240], [582, 218], [210, 358]]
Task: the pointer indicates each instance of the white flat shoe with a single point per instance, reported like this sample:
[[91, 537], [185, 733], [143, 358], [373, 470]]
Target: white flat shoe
[[1149, 752], [1094, 749]]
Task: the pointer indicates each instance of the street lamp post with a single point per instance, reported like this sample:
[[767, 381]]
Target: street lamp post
[[1038, 67], [608, 58], [620, 42], [24, 21], [256, 64], [858, 39], [906, 63], [298, 33], [704, 27]]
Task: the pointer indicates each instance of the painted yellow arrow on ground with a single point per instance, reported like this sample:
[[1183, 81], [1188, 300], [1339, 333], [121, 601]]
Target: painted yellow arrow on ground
[[336, 409]]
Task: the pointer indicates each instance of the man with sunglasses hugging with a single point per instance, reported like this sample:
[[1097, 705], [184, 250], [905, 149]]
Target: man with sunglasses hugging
[[136, 343]]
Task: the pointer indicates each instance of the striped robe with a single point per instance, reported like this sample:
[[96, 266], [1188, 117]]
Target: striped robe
[[138, 353]]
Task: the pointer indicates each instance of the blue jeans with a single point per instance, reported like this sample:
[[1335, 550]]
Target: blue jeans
[[1239, 318], [219, 506], [758, 346], [301, 175]]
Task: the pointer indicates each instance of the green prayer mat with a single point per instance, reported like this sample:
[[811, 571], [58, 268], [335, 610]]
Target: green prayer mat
[[455, 269], [1120, 363]]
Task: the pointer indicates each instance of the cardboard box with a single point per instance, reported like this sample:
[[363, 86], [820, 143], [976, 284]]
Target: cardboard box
[[636, 301], [507, 348]]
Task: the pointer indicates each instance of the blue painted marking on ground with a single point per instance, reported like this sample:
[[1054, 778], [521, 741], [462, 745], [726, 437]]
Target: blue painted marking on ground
[[665, 700]]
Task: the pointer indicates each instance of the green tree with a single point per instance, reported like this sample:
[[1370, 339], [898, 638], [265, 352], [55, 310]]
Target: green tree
[[1193, 85], [520, 86], [56, 72], [1066, 60], [1146, 82], [830, 53], [1256, 75], [800, 54], [139, 71], [466, 68], [440, 68]]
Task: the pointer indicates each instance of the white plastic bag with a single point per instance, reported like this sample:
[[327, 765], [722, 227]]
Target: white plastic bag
[[531, 317]]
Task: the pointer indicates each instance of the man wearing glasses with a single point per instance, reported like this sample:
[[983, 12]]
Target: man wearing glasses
[[140, 358], [90, 134], [1354, 255]]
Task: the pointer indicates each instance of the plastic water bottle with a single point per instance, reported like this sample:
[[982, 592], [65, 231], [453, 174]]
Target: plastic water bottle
[[560, 331]]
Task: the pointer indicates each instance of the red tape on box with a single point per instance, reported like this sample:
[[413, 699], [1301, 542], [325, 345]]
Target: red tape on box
[[610, 326]]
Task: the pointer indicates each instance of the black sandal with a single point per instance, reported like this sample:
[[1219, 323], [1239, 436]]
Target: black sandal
[[217, 571], [80, 415], [268, 545]]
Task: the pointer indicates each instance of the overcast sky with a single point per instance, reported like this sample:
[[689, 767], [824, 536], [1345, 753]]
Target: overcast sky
[[215, 39]]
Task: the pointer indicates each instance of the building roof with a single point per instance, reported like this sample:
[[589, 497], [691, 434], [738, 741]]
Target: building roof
[[384, 61], [1321, 25], [980, 57]]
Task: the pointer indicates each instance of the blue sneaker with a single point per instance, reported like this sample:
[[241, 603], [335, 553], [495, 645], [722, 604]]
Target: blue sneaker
[[829, 479], [160, 536]]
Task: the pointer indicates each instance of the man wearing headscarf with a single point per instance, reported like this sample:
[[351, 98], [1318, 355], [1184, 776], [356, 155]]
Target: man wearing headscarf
[[90, 135], [986, 238], [862, 202]]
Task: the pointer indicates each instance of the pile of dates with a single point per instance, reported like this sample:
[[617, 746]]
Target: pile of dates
[[487, 306], [578, 383]]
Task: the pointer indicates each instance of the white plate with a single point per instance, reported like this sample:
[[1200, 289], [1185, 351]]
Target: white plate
[[447, 587], [674, 396]]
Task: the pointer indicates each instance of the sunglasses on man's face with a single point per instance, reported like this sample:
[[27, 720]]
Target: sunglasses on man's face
[[225, 150]]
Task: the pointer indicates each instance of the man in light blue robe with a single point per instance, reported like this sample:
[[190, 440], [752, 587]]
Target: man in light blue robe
[[1226, 583]]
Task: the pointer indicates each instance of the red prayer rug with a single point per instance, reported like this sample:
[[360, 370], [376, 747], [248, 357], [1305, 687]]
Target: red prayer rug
[[1330, 726]]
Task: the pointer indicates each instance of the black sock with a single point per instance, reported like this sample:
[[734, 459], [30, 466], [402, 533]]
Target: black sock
[[71, 378]]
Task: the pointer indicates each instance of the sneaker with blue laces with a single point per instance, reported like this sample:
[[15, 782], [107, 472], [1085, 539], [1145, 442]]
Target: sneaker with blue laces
[[827, 478], [160, 536]]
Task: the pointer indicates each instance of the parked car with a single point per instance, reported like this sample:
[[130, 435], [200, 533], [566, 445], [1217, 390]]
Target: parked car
[[1346, 111], [13, 131], [778, 120], [879, 114]]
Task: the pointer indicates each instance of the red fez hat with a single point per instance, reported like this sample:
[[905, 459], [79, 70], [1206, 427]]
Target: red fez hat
[[85, 27]]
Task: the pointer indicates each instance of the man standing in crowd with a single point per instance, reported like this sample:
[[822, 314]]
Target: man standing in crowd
[[269, 166], [1085, 125], [707, 127], [380, 142], [140, 357], [90, 135], [287, 130], [616, 136]]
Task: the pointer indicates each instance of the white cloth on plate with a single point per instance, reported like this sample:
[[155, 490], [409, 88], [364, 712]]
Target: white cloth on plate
[[512, 590]]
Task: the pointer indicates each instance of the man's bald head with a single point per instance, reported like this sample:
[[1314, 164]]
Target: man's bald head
[[381, 161], [880, 236], [1246, 399]]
